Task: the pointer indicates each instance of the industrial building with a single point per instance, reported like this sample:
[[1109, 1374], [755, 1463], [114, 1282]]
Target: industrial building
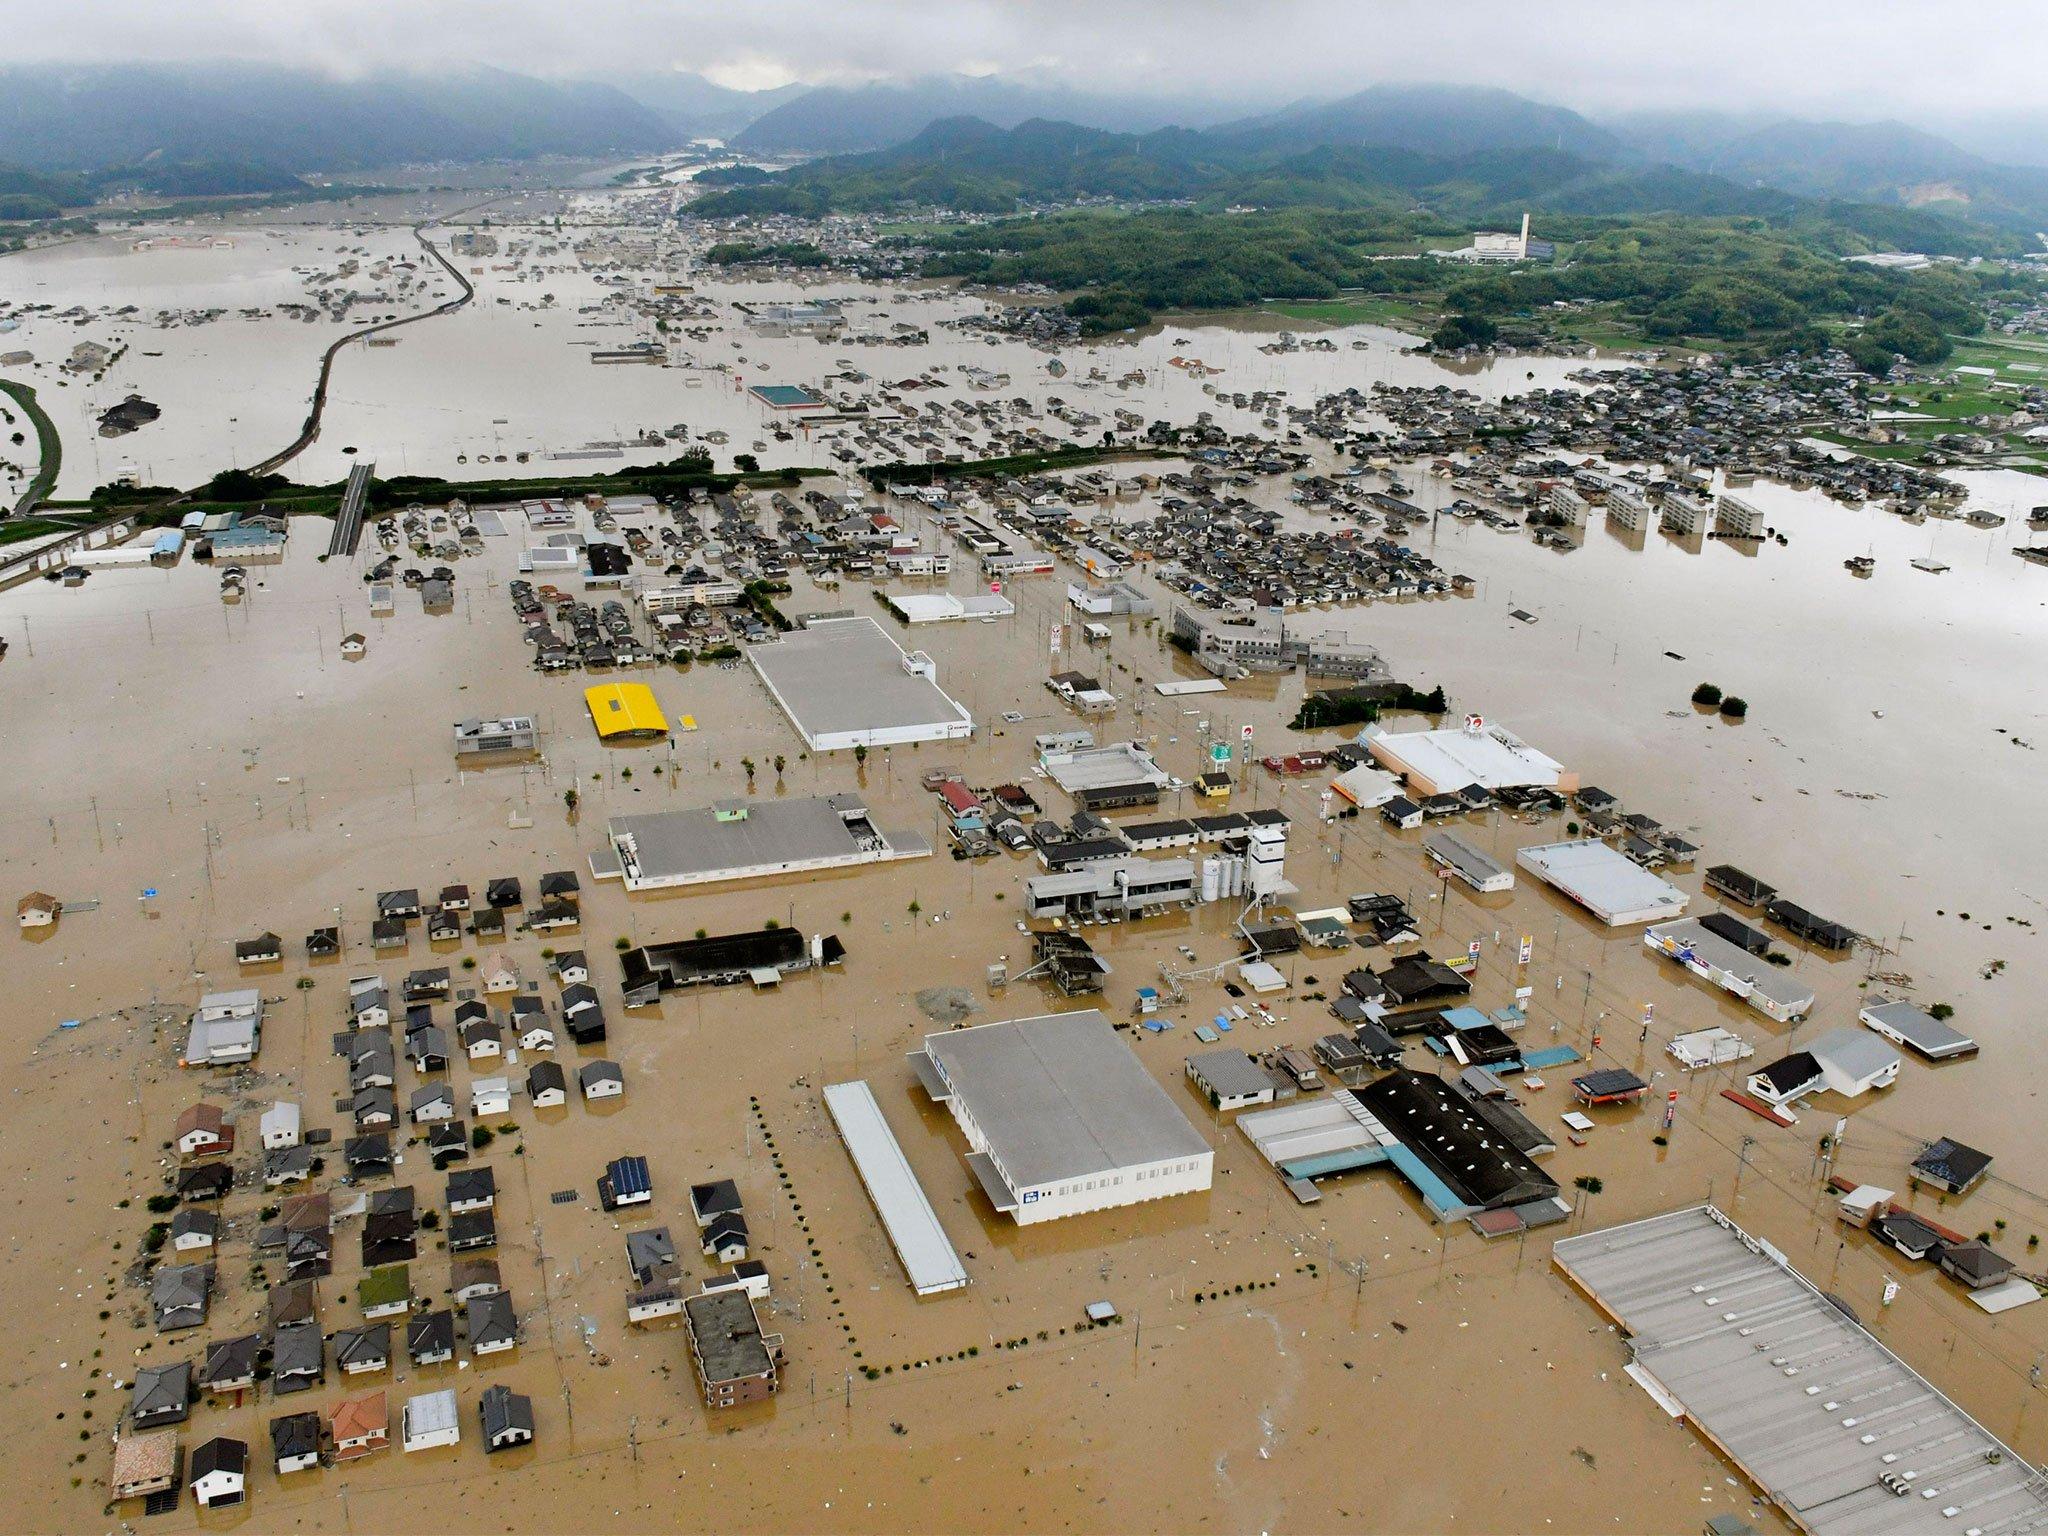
[[1834, 1429], [1446, 761], [1606, 883], [508, 735], [1457, 857], [1230, 1080], [1060, 1118], [1461, 1151], [1771, 990], [747, 840], [929, 1259], [625, 712], [1118, 887], [762, 956], [1903, 1024], [1110, 777], [843, 683]]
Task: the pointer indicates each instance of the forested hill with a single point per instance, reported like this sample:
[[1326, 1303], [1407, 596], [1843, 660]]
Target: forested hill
[[971, 166]]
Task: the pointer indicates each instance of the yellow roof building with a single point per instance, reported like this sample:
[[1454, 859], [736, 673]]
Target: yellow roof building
[[624, 711]]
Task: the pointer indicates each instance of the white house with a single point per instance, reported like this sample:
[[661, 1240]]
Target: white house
[[226, 1028], [546, 1087], [280, 1125], [431, 1103], [220, 1473], [500, 975], [602, 1080], [430, 1420], [369, 1002], [37, 909], [490, 1096], [537, 1037], [1853, 1061]]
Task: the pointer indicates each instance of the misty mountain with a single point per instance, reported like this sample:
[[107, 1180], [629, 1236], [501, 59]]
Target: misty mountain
[[1884, 162], [849, 119], [700, 108], [91, 117], [1435, 119]]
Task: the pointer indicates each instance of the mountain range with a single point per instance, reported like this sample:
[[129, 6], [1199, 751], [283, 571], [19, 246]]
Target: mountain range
[[229, 127], [93, 117]]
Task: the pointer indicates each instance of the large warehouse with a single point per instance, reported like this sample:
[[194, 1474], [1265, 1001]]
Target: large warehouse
[[1444, 762], [1604, 882], [1060, 1118], [747, 840], [845, 684]]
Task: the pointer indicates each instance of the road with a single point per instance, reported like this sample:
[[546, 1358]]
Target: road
[[49, 447], [348, 523], [311, 430]]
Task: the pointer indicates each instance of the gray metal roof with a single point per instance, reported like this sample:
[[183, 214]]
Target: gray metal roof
[[1060, 1097], [697, 845], [1900, 1020], [913, 1226], [845, 676], [1852, 1051], [1777, 984], [1231, 1073], [1810, 1406]]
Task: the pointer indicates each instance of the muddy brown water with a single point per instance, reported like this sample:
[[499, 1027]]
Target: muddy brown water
[[228, 759]]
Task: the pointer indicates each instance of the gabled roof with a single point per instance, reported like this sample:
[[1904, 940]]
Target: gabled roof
[[505, 1411], [1788, 1074], [471, 1184], [295, 1434], [716, 1197], [220, 1454], [629, 1176], [490, 1319], [430, 1333], [363, 1417], [230, 1359], [362, 1345], [1952, 1164]]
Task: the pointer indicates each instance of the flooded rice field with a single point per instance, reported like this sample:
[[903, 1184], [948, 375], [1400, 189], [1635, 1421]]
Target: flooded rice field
[[191, 773]]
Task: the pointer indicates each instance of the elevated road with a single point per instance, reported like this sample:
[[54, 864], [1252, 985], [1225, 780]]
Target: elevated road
[[348, 522]]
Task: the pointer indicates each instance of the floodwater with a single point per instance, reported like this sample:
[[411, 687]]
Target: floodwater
[[227, 759]]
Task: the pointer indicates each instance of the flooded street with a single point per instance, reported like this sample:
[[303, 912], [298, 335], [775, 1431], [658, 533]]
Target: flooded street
[[204, 772]]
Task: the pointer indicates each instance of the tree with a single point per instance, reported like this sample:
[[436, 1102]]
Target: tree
[[860, 755], [1463, 330], [780, 760], [570, 800], [1707, 695], [748, 764], [1733, 708], [746, 463]]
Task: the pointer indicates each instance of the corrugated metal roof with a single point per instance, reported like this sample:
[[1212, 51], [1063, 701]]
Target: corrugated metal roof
[[913, 1226]]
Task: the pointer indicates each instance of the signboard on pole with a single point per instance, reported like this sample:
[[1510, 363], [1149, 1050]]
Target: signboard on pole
[[1219, 752], [1891, 1289], [1055, 642], [1670, 1108], [1245, 735], [1472, 950], [1526, 952]]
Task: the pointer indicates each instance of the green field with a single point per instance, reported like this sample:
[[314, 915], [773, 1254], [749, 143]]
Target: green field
[[1401, 313]]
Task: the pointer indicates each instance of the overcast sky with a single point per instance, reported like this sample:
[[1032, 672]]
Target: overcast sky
[[1924, 59]]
